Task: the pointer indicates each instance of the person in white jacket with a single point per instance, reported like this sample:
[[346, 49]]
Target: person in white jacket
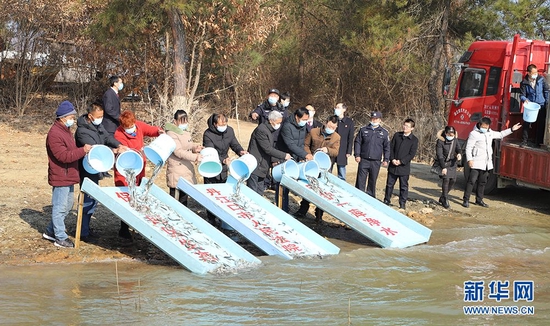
[[479, 154]]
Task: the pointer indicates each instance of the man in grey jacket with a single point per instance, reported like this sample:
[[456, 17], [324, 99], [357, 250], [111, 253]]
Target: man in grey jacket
[[479, 154]]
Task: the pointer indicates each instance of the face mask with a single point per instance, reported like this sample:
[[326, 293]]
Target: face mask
[[286, 103], [120, 86], [221, 128], [534, 76], [302, 123], [329, 131], [483, 130], [272, 100], [183, 126], [311, 114], [130, 130], [449, 138], [69, 123], [374, 124], [338, 112], [277, 126], [97, 122]]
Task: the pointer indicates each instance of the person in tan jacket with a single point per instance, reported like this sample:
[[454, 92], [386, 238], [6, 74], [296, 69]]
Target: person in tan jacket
[[326, 140], [185, 156]]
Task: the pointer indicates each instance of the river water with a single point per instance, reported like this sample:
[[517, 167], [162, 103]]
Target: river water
[[421, 285]]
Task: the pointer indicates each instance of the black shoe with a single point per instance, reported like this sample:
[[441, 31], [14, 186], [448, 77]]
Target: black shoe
[[523, 144], [299, 213], [481, 203], [466, 203], [47, 236], [402, 206], [64, 243], [387, 202], [444, 202]]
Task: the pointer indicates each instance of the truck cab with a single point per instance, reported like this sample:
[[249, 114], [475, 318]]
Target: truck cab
[[489, 85]]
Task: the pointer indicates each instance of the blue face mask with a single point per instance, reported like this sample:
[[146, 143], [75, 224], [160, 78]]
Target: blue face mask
[[302, 123], [120, 86], [329, 131], [221, 128], [483, 130], [272, 100], [183, 126], [449, 138], [69, 123]]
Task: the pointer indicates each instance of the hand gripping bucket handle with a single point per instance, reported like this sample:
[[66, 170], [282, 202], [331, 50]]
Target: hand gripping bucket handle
[[99, 159], [160, 149], [242, 168], [129, 161], [288, 168], [210, 164]]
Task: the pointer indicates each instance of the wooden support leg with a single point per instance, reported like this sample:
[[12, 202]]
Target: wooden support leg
[[79, 219]]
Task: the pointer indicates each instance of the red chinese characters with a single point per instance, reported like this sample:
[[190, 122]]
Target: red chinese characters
[[123, 195]]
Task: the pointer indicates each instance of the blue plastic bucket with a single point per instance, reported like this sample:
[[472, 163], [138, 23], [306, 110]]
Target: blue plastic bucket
[[530, 111], [323, 160], [210, 164], [99, 159], [242, 168], [160, 149], [129, 160], [288, 168], [308, 169]]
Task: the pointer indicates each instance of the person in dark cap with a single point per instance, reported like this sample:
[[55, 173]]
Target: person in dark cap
[[63, 156], [371, 148], [261, 112]]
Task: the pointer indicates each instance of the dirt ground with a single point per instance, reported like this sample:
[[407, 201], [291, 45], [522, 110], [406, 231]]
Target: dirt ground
[[25, 204]]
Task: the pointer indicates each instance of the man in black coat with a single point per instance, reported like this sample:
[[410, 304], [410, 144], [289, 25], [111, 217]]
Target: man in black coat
[[261, 147], [311, 122], [111, 104], [371, 149], [402, 150], [345, 130], [291, 140], [272, 103]]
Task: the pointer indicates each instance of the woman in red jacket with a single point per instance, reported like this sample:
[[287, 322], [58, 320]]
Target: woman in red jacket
[[130, 133]]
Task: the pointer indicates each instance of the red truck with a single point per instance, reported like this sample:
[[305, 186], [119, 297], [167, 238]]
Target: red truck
[[489, 85]]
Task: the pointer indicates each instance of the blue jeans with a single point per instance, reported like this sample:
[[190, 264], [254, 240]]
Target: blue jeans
[[341, 171], [88, 209], [62, 203]]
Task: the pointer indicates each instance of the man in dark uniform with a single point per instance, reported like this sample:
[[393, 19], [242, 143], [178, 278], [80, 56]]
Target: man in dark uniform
[[402, 150], [345, 130], [261, 112], [372, 148]]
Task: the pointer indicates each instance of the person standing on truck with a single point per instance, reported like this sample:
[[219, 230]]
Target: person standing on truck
[[479, 154], [534, 89]]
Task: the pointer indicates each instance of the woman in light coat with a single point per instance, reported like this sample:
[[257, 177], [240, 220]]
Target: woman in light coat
[[185, 156], [479, 154]]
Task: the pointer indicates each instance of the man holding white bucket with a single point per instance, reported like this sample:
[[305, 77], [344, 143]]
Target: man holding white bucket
[[534, 89], [90, 130], [261, 147], [63, 156]]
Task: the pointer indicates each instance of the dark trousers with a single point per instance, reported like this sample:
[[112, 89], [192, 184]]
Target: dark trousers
[[403, 187], [221, 178], [368, 169], [304, 207], [540, 125], [256, 183], [447, 185], [285, 199], [182, 198], [481, 177]]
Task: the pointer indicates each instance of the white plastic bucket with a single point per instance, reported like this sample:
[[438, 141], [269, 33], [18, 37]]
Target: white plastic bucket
[[242, 168], [323, 160], [210, 164], [288, 168], [99, 159], [530, 111], [129, 160], [308, 169], [160, 149]]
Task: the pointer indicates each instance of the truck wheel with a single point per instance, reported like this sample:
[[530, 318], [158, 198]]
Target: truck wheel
[[491, 180]]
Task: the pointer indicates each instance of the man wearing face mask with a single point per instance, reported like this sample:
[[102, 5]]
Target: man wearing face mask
[[311, 122], [371, 148], [90, 130], [111, 104], [479, 155], [534, 88], [326, 140], [291, 140], [345, 129], [402, 150], [261, 147], [272, 103], [63, 156], [285, 102]]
